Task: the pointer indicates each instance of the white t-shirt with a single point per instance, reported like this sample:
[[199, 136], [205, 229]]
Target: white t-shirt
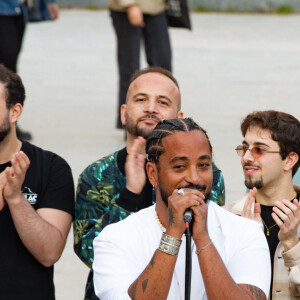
[[123, 250]]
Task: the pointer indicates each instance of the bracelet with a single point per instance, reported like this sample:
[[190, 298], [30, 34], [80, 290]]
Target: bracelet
[[198, 251], [169, 244], [171, 240]]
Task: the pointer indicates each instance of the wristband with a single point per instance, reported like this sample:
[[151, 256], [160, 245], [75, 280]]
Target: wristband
[[169, 244]]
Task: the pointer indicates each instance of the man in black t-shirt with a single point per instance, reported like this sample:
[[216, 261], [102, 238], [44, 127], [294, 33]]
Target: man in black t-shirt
[[270, 157], [36, 204]]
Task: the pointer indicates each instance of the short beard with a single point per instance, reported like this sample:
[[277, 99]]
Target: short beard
[[164, 195], [5, 128], [250, 184], [136, 131]]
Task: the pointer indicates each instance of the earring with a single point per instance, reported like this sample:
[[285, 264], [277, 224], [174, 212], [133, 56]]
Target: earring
[[154, 187]]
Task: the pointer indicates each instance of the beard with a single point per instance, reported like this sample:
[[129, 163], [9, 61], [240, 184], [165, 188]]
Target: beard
[[134, 128], [5, 128], [165, 195], [250, 184]]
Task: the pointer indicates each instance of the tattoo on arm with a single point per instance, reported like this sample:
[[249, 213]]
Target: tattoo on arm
[[132, 290], [256, 292], [144, 285], [152, 260], [171, 216]]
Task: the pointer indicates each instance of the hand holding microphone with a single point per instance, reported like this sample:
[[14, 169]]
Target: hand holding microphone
[[195, 215], [184, 201], [188, 215]]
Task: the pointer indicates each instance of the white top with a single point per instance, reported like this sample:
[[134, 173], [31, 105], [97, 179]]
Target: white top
[[123, 250]]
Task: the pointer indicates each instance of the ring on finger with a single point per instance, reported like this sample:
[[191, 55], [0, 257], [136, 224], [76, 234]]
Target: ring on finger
[[180, 192]]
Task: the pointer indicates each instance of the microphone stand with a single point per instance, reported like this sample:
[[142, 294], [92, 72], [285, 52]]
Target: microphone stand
[[188, 262]]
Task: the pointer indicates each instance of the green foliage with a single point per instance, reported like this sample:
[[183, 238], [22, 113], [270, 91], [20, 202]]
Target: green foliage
[[284, 10], [200, 8], [80, 228], [92, 7]]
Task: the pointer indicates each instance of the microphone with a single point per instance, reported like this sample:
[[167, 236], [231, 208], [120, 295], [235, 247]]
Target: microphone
[[188, 216]]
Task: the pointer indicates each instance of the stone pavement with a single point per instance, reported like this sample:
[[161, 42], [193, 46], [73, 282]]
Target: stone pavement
[[228, 66]]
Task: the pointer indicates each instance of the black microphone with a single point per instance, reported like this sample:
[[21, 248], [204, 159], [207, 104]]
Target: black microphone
[[188, 216]]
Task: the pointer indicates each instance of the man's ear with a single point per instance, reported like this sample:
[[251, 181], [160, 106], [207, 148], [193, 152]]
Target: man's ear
[[180, 115], [123, 113], [15, 112], [151, 169], [290, 161]]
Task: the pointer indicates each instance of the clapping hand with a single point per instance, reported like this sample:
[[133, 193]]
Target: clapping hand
[[286, 214], [2, 185], [247, 210], [14, 177], [135, 166]]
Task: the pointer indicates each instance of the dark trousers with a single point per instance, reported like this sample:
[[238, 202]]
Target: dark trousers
[[157, 48], [11, 35]]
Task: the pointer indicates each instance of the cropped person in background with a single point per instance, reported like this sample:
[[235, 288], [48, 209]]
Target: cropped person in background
[[137, 21], [14, 14], [270, 158], [36, 204]]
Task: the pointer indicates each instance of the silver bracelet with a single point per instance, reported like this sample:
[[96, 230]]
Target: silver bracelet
[[169, 244], [198, 251], [171, 240]]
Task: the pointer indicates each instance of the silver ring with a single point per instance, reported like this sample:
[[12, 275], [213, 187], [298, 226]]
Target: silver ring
[[180, 192]]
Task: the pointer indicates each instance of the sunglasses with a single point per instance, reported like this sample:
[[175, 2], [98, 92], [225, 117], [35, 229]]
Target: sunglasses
[[255, 151]]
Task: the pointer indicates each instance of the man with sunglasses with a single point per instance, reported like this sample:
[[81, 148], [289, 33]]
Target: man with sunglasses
[[270, 157]]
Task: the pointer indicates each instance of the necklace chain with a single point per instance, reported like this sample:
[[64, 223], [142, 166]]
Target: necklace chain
[[163, 229], [269, 228]]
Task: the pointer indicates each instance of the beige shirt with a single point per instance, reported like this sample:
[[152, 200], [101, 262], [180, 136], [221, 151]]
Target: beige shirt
[[286, 273], [151, 7]]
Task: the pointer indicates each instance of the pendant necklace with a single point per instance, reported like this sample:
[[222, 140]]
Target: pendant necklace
[[269, 228]]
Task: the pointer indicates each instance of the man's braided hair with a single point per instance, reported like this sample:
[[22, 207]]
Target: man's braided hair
[[154, 147]]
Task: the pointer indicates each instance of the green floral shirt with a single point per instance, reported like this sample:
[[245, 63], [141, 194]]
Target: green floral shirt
[[99, 187]]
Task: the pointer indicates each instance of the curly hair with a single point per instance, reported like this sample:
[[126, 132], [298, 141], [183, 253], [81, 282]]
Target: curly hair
[[284, 129]]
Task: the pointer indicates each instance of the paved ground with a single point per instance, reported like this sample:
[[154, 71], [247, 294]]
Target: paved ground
[[228, 66]]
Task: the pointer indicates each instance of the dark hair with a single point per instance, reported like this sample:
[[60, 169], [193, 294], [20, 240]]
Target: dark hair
[[159, 70], [284, 129], [154, 147], [14, 88]]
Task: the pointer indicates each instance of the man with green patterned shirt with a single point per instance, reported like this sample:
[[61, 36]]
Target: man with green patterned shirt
[[115, 186]]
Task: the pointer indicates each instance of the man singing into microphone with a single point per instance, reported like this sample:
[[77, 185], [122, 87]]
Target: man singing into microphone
[[143, 257]]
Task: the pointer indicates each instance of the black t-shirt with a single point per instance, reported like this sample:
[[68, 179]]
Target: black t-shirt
[[271, 234], [48, 184]]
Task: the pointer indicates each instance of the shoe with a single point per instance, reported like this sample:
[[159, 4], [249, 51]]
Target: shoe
[[23, 135]]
